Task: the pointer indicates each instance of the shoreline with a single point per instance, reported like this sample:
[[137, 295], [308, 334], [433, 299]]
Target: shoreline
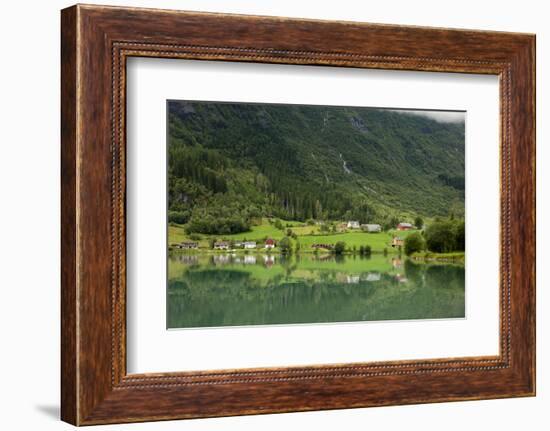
[[277, 253], [457, 258], [429, 257]]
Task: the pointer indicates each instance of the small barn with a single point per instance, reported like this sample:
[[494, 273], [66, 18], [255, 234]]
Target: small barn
[[269, 243], [397, 242], [188, 245], [221, 245]]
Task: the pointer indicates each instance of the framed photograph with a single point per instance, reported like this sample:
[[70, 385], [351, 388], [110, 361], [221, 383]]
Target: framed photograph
[[267, 215]]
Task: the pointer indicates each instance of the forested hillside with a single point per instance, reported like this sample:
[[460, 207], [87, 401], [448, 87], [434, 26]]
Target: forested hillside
[[232, 163]]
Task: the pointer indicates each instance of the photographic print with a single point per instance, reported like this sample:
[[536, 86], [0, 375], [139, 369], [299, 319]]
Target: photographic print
[[300, 214]]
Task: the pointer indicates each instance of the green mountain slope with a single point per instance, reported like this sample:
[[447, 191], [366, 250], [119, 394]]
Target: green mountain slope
[[230, 163]]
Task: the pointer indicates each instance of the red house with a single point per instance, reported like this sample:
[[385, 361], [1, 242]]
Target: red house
[[269, 243], [404, 226]]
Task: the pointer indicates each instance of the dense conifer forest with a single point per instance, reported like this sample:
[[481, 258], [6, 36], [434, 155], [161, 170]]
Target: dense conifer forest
[[230, 164]]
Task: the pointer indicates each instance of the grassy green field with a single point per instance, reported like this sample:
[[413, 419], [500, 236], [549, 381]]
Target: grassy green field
[[307, 236], [176, 233], [306, 230], [377, 241]]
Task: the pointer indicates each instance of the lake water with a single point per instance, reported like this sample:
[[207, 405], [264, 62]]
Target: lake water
[[255, 289]]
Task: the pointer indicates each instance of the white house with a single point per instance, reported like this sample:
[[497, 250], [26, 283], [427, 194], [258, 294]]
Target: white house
[[371, 227], [353, 224], [249, 244]]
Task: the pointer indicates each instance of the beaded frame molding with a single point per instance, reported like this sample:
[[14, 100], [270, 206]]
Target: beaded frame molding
[[95, 43]]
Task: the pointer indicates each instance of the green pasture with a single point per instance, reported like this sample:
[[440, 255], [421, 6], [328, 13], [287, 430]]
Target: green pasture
[[307, 236]]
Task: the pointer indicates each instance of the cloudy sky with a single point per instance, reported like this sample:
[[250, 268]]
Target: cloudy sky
[[441, 116]]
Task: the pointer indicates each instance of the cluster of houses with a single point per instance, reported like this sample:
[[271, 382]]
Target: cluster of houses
[[372, 227], [270, 243], [247, 245], [354, 224], [322, 246], [397, 241], [227, 245], [187, 245]]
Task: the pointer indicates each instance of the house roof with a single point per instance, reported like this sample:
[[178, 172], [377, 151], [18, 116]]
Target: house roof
[[269, 241], [405, 224]]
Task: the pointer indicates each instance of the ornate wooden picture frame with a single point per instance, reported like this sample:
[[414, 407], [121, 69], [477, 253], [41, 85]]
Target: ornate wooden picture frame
[[96, 41]]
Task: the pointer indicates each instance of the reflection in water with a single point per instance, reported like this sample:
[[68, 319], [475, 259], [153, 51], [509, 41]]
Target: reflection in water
[[189, 259], [373, 276], [256, 289]]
